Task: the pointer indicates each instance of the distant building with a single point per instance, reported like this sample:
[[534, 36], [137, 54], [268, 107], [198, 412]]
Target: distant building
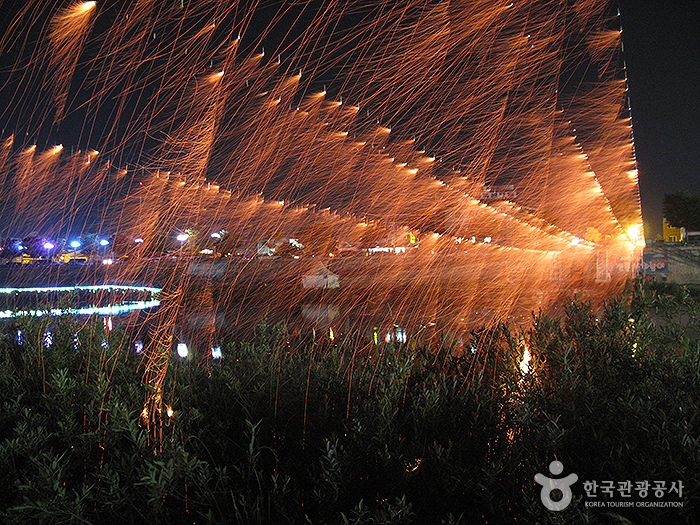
[[672, 234], [498, 192], [320, 277], [268, 247], [692, 237]]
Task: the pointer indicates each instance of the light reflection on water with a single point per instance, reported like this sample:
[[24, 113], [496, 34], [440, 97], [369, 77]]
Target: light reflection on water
[[100, 289], [202, 327]]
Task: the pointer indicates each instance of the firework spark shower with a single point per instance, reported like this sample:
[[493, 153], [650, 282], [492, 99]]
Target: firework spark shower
[[486, 144]]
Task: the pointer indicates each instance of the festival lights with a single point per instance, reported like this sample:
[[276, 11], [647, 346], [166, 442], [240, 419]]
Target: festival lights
[[87, 310], [199, 132]]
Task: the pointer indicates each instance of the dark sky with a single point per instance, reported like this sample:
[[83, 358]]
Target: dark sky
[[662, 50]]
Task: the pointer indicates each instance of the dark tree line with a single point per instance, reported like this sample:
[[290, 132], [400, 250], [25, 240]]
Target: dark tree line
[[682, 210]]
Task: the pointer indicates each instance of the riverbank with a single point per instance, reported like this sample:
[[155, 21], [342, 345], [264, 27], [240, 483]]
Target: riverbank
[[376, 434]]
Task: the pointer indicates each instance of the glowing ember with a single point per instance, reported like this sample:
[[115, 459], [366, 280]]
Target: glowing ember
[[525, 362], [487, 174]]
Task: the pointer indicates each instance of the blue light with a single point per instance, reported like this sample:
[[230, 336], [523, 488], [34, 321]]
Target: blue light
[[75, 245], [90, 288], [216, 352], [182, 350], [100, 310], [104, 242]]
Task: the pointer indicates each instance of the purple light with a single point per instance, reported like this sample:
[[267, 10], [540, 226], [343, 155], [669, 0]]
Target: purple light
[[48, 246]]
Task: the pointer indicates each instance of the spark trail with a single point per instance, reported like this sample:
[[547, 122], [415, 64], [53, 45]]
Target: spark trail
[[355, 124]]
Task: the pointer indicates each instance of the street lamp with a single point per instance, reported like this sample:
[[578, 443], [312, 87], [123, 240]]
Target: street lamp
[[48, 246], [182, 350], [104, 243], [182, 237], [75, 245]]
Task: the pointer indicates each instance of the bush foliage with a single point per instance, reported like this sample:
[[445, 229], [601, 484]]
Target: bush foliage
[[387, 434]]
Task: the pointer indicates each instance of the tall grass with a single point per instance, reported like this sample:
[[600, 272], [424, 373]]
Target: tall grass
[[388, 434]]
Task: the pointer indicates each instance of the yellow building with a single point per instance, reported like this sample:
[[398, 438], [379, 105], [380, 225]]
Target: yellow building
[[672, 234]]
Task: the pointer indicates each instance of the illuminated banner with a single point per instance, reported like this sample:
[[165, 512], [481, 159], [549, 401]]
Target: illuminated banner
[[498, 192], [655, 262]]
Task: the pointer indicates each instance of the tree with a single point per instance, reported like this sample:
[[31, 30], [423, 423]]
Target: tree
[[682, 210], [38, 247], [319, 238], [123, 246], [10, 248], [89, 243], [373, 234], [159, 243], [228, 242], [287, 249]]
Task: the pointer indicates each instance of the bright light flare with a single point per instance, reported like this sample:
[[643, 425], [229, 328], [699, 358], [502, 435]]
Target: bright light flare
[[634, 234], [86, 6], [525, 362]]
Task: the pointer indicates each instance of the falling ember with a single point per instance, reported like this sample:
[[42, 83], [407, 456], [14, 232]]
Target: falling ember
[[525, 363], [287, 176]]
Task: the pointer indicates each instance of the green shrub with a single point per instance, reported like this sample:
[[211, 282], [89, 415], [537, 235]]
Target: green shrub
[[334, 434]]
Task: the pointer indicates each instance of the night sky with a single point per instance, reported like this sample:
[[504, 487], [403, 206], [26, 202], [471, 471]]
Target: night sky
[[662, 53], [662, 50]]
